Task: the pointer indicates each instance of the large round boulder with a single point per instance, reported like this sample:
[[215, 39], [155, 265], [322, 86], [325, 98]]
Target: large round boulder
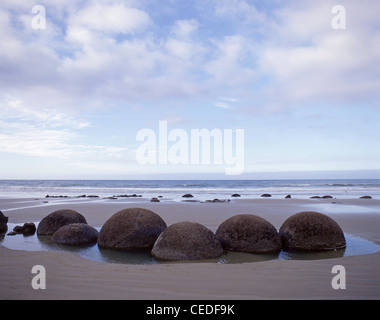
[[187, 241], [3, 223], [131, 229], [58, 219], [311, 231], [76, 234], [248, 233]]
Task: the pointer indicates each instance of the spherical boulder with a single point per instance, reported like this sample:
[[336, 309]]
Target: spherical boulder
[[76, 234], [58, 219], [311, 231], [131, 229], [248, 233], [3, 223], [187, 241]]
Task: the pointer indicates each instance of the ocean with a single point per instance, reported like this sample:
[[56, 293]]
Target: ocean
[[200, 189]]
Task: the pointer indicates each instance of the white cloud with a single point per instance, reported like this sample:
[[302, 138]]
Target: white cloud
[[307, 60], [49, 134], [185, 28], [111, 18]]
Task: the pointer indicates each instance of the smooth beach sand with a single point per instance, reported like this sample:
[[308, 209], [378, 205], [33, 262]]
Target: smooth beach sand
[[69, 276]]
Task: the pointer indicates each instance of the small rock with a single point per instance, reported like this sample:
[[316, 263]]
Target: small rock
[[327, 197], [218, 201], [154, 200], [188, 195], [236, 195], [288, 196], [266, 195], [26, 229], [366, 197]]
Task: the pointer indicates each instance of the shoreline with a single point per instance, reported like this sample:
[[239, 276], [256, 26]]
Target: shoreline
[[72, 277]]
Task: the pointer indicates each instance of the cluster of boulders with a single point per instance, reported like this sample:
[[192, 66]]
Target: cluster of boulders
[[138, 228], [142, 229], [29, 228], [67, 227]]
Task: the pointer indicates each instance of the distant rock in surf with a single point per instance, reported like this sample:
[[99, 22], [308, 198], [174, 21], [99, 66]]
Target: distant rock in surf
[[218, 201], [236, 195], [366, 197], [29, 228], [266, 195], [288, 196], [188, 195]]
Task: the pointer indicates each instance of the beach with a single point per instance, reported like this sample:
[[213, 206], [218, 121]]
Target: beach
[[69, 276]]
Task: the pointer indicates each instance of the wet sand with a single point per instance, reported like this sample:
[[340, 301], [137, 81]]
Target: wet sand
[[69, 276]]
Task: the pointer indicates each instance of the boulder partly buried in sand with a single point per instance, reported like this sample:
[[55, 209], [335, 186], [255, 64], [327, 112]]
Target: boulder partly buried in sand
[[76, 234], [311, 231], [3, 223], [187, 241], [131, 229], [58, 219], [248, 233]]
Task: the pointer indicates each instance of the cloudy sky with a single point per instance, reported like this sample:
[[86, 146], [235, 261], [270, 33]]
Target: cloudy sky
[[73, 96]]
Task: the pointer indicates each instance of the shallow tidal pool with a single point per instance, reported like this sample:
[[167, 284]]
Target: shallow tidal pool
[[355, 246]]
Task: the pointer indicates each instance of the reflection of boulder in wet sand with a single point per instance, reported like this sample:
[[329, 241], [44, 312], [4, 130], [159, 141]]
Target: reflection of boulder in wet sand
[[130, 229], [58, 219], [266, 195], [311, 231], [76, 234], [187, 241], [3, 223], [248, 233]]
